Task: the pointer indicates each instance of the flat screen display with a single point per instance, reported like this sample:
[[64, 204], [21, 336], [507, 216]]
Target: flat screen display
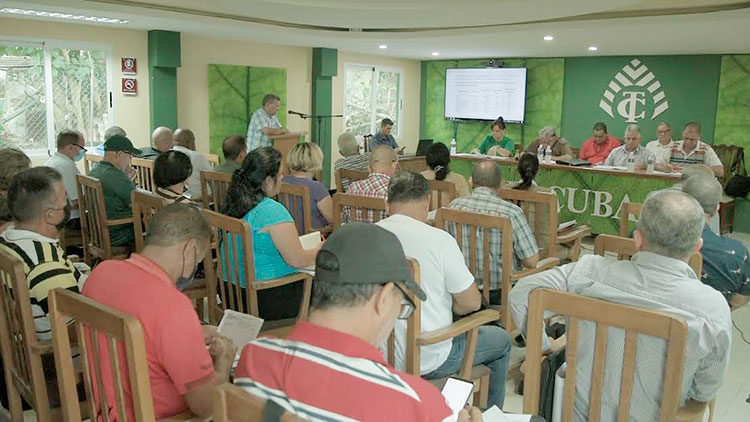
[[485, 94]]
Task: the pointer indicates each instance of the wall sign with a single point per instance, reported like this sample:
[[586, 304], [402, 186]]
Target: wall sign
[[129, 86], [129, 65]]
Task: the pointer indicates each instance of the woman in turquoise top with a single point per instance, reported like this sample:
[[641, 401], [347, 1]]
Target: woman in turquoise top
[[277, 250], [497, 143]]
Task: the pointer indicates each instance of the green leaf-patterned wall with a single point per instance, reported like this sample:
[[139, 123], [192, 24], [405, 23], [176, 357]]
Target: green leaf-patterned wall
[[234, 93], [733, 105]]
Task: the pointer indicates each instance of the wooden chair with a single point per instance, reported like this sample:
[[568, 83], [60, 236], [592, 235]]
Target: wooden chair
[[218, 184], [634, 321], [144, 173], [224, 275], [624, 247], [21, 350], [296, 199], [538, 203], [344, 177], [213, 159], [70, 237], [89, 160], [628, 209], [145, 206], [95, 224], [233, 404], [441, 193], [366, 208], [455, 222]]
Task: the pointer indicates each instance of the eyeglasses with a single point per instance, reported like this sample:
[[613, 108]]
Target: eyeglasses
[[407, 306], [82, 148]]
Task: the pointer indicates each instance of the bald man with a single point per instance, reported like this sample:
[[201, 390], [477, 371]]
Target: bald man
[[161, 138], [234, 148], [184, 141], [383, 165]]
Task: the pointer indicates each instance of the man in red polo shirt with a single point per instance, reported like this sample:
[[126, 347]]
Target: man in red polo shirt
[[329, 367], [181, 369], [596, 149]]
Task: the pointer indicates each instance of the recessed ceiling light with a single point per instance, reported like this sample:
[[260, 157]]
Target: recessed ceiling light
[[59, 15], [593, 48], [382, 46], [435, 53], [549, 37]]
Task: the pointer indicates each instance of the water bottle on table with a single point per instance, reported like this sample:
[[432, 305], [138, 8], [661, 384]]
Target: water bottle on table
[[540, 153], [650, 164], [548, 155], [453, 146]]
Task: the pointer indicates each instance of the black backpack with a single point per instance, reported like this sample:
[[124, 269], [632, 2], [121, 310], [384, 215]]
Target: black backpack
[[738, 186]]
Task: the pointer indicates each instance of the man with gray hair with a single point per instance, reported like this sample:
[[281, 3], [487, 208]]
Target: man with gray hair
[[633, 149], [656, 278], [726, 263], [114, 130], [163, 141], [661, 147], [548, 138], [352, 159], [184, 141], [264, 123]]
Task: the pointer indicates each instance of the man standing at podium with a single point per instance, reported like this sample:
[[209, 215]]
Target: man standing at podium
[[264, 122]]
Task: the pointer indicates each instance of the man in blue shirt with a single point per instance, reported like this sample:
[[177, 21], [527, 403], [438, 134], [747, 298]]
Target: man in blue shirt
[[384, 137], [726, 263]]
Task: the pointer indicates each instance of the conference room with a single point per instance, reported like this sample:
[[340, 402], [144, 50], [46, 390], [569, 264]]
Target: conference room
[[343, 210]]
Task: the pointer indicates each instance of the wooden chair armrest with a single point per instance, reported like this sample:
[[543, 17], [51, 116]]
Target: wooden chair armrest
[[44, 348], [120, 221], [692, 411], [183, 417], [574, 235], [276, 282], [543, 265], [325, 231], [459, 327]]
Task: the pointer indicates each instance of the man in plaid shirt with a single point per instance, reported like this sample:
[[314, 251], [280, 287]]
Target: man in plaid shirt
[[264, 122], [383, 165], [486, 180]]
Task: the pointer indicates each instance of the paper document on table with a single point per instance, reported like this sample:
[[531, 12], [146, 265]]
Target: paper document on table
[[310, 240], [603, 167], [240, 328], [467, 154], [566, 224], [494, 414]]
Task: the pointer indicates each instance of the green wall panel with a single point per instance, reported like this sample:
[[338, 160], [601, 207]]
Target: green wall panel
[[234, 93], [733, 105]]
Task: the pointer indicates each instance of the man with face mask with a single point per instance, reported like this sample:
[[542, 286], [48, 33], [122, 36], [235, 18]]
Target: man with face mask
[[70, 150], [182, 371], [116, 175], [40, 209]]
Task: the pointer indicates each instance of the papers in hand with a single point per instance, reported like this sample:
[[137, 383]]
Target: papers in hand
[[240, 328], [494, 414], [310, 240]]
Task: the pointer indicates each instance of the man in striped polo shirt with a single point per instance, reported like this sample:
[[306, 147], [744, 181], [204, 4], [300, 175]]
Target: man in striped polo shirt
[[329, 367], [691, 150]]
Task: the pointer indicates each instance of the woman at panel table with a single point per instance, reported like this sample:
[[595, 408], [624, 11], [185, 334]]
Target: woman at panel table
[[277, 250], [497, 144], [305, 160]]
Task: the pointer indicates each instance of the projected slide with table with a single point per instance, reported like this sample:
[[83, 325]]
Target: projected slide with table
[[485, 94]]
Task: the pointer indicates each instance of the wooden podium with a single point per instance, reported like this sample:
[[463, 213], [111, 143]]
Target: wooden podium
[[284, 143]]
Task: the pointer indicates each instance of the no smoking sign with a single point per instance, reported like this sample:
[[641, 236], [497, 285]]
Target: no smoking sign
[[129, 86]]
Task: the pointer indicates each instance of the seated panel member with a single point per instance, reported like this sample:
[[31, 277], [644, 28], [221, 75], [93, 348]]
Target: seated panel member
[[620, 155], [264, 123], [234, 148], [384, 137], [548, 137], [497, 144], [691, 150], [661, 147], [596, 149]]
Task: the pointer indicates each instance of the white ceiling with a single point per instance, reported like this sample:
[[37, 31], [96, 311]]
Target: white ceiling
[[478, 28]]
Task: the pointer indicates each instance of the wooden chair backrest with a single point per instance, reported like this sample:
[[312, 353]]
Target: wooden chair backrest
[[23, 367], [94, 227], [344, 177], [365, 208], [144, 173], [233, 404], [213, 159], [537, 201], [218, 184], [634, 321], [441, 193], [459, 224], [413, 326], [113, 346], [624, 247], [89, 160], [296, 199], [145, 206], [628, 209]]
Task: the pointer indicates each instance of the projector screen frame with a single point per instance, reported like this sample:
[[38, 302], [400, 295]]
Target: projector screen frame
[[469, 120]]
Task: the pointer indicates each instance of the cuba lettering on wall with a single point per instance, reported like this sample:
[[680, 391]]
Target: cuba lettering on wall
[[595, 203]]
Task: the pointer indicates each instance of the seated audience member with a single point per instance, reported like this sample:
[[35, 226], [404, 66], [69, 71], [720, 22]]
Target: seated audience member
[[693, 170], [438, 160], [163, 141], [661, 147], [70, 149], [486, 180], [171, 170], [234, 148], [184, 141], [352, 313], [497, 144], [620, 155], [596, 149], [114, 130], [657, 278], [352, 159], [548, 138], [726, 263], [116, 175], [14, 161], [40, 210], [449, 285], [383, 165], [182, 370], [384, 137], [277, 249], [691, 150], [305, 160]]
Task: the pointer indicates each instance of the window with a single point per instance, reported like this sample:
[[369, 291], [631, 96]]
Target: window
[[372, 93], [46, 88]]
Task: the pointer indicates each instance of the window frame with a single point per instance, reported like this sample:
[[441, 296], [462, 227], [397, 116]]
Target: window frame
[[376, 70]]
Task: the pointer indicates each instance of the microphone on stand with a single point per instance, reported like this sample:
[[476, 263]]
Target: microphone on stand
[[302, 115]]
